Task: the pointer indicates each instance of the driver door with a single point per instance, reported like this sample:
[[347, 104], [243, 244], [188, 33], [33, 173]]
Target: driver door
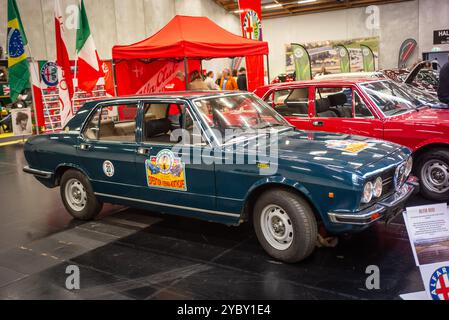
[[170, 171]]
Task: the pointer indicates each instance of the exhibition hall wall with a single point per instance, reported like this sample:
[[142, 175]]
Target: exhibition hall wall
[[397, 22], [128, 21]]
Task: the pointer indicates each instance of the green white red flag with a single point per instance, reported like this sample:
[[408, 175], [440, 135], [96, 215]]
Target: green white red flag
[[90, 67]]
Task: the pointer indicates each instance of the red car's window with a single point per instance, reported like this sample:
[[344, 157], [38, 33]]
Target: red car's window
[[292, 102], [334, 102]]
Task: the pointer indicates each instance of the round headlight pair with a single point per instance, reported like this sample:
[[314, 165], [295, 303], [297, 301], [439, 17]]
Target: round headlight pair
[[371, 190]]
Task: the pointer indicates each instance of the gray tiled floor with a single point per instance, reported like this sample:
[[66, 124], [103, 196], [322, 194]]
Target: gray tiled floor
[[132, 254]]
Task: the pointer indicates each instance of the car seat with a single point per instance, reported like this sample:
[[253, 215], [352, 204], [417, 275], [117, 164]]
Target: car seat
[[157, 129], [322, 109], [337, 102]]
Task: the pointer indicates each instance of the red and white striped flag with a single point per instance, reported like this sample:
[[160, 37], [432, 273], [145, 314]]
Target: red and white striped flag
[[64, 74]]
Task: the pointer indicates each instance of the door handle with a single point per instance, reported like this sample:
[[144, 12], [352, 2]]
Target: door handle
[[144, 151], [85, 147], [318, 123]]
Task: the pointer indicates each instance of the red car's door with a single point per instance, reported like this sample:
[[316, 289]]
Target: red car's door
[[341, 109], [293, 104]]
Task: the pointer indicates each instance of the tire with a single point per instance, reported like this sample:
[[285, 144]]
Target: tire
[[292, 232], [78, 196], [432, 169]]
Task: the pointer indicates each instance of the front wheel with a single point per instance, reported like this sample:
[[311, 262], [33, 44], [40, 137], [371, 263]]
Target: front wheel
[[78, 196], [285, 225], [433, 172]]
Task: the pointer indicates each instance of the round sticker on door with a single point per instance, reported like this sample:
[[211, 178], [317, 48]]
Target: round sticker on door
[[108, 168]]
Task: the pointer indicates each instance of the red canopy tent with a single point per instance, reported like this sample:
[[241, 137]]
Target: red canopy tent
[[182, 43]]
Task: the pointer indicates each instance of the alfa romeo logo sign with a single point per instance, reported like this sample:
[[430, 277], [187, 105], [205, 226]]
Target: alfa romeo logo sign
[[439, 284], [49, 74], [252, 28]]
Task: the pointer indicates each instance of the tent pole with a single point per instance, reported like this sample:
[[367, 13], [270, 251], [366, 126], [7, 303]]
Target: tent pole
[[186, 72], [268, 68], [114, 77]]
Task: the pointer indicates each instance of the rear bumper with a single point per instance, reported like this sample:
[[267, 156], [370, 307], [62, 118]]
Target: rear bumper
[[38, 173], [386, 209]]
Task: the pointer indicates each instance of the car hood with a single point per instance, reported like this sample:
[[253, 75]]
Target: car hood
[[332, 149], [432, 116]]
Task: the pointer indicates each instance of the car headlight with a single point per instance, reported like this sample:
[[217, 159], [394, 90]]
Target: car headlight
[[408, 166], [377, 188], [367, 192]]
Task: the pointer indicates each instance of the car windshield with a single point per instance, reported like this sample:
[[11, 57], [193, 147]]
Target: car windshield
[[423, 97], [390, 98], [239, 113]]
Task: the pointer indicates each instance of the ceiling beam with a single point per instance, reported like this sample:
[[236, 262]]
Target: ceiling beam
[[292, 8]]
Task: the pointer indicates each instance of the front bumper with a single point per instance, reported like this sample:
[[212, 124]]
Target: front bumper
[[386, 209]]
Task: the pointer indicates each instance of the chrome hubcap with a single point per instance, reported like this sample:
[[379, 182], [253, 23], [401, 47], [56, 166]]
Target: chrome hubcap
[[76, 195], [276, 227], [435, 176]]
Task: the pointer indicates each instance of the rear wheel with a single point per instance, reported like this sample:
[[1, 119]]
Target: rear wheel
[[433, 173], [78, 196], [285, 225]]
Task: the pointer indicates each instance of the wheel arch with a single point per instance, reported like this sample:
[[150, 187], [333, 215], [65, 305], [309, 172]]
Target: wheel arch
[[426, 148], [64, 167], [259, 188]]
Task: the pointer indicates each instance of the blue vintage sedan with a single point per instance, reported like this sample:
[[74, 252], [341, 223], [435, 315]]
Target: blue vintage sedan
[[222, 157]]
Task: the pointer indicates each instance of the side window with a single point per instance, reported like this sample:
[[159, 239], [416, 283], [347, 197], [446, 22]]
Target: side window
[[195, 135], [360, 108], [333, 102], [160, 120], [292, 102], [279, 98], [113, 123]]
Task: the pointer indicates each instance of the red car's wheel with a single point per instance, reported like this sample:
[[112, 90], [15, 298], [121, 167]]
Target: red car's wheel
[[433, 172]]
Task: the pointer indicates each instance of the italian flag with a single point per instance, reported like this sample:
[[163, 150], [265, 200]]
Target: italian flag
[[90, 68]]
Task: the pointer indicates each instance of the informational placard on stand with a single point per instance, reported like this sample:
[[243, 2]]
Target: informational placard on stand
[[428, 230]]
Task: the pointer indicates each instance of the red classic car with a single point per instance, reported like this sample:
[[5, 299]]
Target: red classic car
[[376, 108]]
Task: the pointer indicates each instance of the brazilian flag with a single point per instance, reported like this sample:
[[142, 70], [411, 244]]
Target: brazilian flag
[[19, 74]]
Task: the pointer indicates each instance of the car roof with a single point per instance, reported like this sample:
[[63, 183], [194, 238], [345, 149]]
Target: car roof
[[171, 95], [337, 81]]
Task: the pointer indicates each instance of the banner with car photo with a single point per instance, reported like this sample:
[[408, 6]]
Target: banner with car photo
[[326, 54]]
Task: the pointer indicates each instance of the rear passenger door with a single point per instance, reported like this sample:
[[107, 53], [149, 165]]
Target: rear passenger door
[[107, 147]]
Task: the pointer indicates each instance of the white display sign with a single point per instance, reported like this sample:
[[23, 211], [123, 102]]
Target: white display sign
[[21, 122], [428, 230]]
